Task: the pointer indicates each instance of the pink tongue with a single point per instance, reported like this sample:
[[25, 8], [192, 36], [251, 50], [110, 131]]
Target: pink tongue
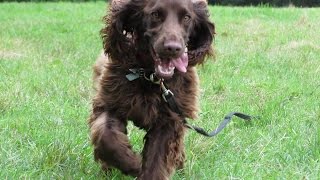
[[181, 62]]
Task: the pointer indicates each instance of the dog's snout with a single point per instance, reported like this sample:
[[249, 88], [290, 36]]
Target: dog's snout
[[172, 47]]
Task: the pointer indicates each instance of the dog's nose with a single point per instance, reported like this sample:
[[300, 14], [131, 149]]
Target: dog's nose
[[172, 47]]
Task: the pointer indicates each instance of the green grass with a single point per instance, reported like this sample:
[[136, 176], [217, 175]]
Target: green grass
[[267, 64]]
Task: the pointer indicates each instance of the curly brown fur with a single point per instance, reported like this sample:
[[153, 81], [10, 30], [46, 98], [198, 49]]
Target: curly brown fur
[[136, 37]]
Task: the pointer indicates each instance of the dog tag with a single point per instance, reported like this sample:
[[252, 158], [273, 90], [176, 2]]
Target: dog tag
[[132, 76]]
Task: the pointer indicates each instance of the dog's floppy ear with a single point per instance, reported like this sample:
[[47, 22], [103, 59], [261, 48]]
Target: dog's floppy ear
[[122, 24], [202, 35]]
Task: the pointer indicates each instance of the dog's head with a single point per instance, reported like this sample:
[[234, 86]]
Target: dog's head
[[176, 33]]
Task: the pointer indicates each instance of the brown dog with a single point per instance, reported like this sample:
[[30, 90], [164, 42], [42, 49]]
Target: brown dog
[[166, 38]]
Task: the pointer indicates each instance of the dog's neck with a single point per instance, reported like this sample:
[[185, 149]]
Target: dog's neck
[[144, 59]]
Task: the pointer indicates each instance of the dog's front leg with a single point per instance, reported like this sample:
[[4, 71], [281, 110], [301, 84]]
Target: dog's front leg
[[111, 144], [163, 150]]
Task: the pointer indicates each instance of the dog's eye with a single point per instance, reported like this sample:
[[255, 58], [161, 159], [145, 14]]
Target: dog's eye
[[155, 15], [187, 18]]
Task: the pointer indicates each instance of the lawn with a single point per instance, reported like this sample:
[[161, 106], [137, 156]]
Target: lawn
[[267, 64]]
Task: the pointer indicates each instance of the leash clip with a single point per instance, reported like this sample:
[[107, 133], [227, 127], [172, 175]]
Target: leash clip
[[166, 93]]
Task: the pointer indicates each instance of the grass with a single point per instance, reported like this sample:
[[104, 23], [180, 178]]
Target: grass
[[267, 64]]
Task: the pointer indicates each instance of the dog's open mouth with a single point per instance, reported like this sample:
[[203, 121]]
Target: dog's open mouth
[[164, 67]]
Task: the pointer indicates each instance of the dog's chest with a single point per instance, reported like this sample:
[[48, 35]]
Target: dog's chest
[[145, 106]]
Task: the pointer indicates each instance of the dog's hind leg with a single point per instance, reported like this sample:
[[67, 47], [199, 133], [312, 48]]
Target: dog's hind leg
[[111, 145], [163, 151]]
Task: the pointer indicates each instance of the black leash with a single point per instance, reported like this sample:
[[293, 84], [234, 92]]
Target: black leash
[[168, 97], [222, 125]]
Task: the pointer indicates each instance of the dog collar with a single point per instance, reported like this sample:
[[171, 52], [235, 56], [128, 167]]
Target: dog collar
[[151, 77], [142, 73]]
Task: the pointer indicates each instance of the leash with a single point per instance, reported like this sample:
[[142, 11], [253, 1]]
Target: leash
[[168, 97]]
